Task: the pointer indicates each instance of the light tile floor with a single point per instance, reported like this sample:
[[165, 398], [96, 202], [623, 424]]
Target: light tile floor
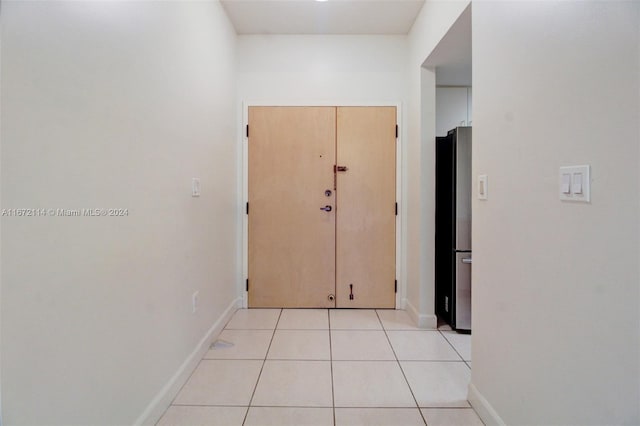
[[328, 367]]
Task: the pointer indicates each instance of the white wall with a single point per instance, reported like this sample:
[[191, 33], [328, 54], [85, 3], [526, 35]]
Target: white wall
[[433, 22], [315, 68], [113, 105], [556, 335], [323, 70]]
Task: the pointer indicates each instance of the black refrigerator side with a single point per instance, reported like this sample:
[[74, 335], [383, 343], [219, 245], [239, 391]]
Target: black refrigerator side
[[445, 227]]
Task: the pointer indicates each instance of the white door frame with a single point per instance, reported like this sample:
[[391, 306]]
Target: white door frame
[[244, 192]]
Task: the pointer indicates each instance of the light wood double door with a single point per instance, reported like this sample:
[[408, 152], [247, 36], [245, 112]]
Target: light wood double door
[[322, 207]]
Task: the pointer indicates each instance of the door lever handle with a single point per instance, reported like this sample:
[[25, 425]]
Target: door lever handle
[[326, 208]]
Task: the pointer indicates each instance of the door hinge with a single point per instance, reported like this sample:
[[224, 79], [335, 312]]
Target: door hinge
[[247, 207], [396, 209], [247, 284], [248, 131], [395, 287], [396, 131]]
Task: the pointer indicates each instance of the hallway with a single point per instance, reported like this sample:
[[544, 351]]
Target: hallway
[[329, 367]]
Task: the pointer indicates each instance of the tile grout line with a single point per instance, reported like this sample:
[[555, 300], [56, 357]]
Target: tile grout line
[[401, 370], [425, 361], [261, 369], [211, 405], [364, 407], [461, 357], [194, 370], [333, 397], [181, 388], [453, 347]]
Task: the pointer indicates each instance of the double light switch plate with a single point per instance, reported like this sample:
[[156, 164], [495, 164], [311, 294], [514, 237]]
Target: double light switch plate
[[575, 183]]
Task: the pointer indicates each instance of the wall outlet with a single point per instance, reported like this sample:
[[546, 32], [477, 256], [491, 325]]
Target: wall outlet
[[194, 301]]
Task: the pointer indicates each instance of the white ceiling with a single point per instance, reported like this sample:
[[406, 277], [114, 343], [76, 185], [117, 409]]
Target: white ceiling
[[327, 17]]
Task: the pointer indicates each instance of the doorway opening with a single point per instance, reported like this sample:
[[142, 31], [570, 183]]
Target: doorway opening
[[450, 79]]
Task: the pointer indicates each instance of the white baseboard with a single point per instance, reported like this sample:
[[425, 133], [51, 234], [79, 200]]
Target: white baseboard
[[486, 412], [162, 400], [423, 320]]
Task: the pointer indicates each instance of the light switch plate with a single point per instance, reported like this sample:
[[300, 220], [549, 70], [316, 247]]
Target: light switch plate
[[195, 187], [579, 183], [483, 187]]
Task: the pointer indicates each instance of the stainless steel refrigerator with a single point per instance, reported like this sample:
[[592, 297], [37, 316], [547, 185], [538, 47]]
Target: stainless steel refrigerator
[[453, 228]]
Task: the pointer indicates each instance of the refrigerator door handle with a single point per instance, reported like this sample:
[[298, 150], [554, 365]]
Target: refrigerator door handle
[[468, 260]]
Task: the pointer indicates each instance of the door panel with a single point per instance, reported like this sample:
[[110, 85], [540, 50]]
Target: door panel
[[365, 207], [291, 240]]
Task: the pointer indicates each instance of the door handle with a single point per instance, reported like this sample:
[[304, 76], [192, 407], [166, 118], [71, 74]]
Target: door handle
[[326, 208], [468, 260]]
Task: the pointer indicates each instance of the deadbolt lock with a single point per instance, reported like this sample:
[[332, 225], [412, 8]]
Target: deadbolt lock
[[331, 297], [328, 193]]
